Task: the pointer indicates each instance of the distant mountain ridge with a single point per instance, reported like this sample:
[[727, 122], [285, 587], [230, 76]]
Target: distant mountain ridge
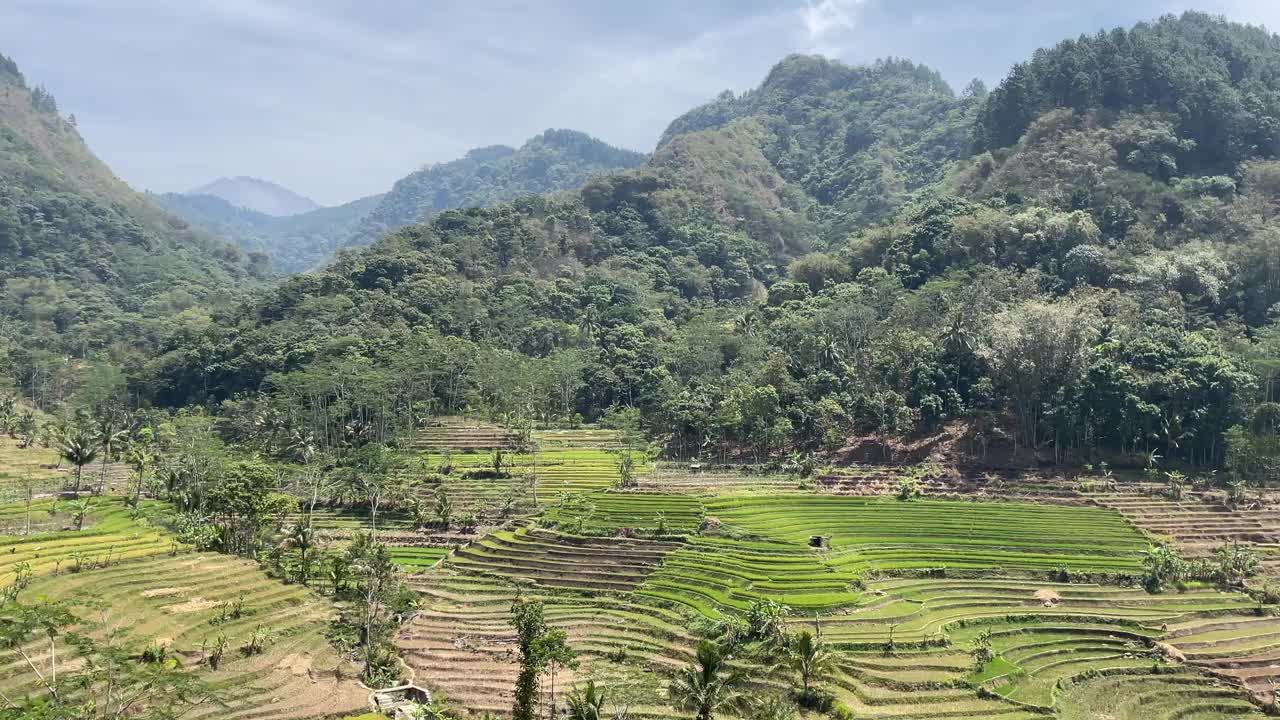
[[258, 195], [234, 208], [295, 243], [552, 161]]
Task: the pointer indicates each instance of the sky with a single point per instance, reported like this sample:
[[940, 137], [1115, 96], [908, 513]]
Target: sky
[[336, 99]]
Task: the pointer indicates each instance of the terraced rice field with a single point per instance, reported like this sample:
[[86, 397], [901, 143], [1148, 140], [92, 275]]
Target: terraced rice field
[[178, 601], [460, 643], [1199, 525], [610, 512], [554, 560], [112, 532], [629, 604], [1145, 695], [36, 465], [1240, 649], [886, 534], [684, 478], [462, 434]]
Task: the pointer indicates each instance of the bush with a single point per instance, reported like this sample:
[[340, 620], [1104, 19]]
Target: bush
[[908, 489]]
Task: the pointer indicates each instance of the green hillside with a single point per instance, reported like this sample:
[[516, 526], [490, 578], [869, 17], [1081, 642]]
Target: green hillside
[[555, 160], [1135, 287], [86, 263]]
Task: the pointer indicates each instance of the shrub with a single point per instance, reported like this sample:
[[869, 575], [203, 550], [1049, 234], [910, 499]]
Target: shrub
[[908, 489]]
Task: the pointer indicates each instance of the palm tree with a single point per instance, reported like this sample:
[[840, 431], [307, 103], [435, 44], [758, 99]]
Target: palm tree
[[586, 704], [141, 455], [810, 659], [707, 685], [301, 538], [79, 447], [589, 323]]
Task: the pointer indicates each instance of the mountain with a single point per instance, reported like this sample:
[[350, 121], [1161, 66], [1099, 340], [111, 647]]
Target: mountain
[[849, 250], [553, 161], [713, 218], [261, 196], [85, 262], [820, 148], [294, 243]]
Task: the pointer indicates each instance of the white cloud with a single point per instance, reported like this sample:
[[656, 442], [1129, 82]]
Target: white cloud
[[825, 19]]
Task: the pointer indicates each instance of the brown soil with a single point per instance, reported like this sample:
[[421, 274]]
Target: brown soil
[[296, 664], [1048, 597], [192, 605], [959, 442]]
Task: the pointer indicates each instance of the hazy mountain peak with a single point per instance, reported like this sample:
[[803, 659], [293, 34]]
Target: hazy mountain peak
[[258, 195]]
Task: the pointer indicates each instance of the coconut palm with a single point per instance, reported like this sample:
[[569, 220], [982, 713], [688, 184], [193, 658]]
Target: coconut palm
[[809, 657], [707, 685], [141, 455], [79, 447], [303, 539]]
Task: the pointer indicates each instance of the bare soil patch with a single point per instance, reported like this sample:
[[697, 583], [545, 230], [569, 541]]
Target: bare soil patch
[[193, 605], [164, 592]]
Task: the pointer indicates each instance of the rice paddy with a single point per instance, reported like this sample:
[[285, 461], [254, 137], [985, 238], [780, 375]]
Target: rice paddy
[[183, 603], [902, 592]]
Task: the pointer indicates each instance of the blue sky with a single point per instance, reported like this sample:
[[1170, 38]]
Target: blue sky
[[337, 99]]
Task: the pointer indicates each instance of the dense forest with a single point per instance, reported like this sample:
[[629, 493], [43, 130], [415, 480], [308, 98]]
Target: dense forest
[[91, 272], [1073, 265]]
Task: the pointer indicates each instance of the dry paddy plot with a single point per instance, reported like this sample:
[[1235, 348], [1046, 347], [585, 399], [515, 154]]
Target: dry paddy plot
[[36, 465], [556, 560], [461, 645], [179, 601], [1199, 526]]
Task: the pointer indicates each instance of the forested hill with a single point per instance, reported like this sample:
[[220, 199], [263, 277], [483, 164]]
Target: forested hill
[[856, 141], [1095, 284], [555, 160], [295, 243], [85, 262]]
